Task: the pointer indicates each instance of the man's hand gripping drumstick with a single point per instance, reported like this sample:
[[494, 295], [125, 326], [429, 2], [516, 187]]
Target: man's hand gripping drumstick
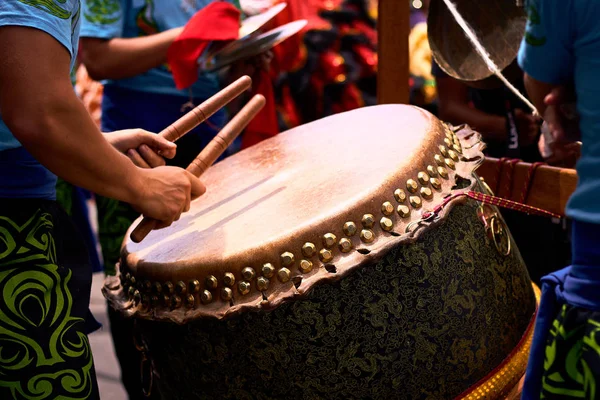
[[208, 156], [146, 157]]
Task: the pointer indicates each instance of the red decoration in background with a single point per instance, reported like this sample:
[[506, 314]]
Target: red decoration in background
[[264, 125], [219, 21]]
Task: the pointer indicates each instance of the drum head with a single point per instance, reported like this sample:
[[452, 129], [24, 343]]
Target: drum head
[[305, 206], [499, 26]]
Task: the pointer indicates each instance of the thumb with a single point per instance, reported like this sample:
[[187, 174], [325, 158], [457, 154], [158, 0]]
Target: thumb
[[164, 147], [198, 188]]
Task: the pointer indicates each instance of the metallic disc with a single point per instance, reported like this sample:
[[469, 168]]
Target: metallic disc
[[250, 47]]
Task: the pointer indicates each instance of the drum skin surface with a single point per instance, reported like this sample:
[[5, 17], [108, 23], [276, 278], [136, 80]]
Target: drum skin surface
[[386, 304]]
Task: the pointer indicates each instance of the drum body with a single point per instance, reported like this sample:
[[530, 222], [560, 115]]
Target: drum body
[[396, 303]]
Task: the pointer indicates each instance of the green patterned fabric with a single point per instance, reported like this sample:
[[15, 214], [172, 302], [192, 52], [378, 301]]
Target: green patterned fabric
[[102, 11], [114, 219], [64, 195], [45, 285], [572, 363], [427, 321], [54, 7]]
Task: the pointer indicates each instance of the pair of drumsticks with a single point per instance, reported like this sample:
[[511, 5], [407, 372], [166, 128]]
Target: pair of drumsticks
[[218, 145]]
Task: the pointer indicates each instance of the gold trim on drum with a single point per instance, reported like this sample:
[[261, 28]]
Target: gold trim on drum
[[287, 259], [308, 249], [443, 151], [284, 275], [387, 208], [367, 236], [268, 270], [399, 195], [508, 374], [248, 273], [262, 284], [368, 220], [403, 211], [435, 183], [211, 282], [229, 279], [350, 229], [386, 224], [195, 286], [412, 185], [206, 297], [345, 245], [431, 171], [306, 266], [329, 240]]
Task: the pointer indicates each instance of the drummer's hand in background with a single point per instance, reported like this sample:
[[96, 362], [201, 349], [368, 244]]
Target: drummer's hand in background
[[561, 116], [165, 193], [528, 126], [145, 149], [563, 124]]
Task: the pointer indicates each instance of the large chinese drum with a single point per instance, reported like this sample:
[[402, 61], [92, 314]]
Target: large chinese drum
[[335, 261]]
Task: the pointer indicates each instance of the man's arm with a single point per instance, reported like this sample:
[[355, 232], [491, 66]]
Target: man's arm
[[120, 58], [39, 106], [104, 51], [538, 91], [546, 54]]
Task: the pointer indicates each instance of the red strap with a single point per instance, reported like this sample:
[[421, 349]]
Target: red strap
[[508, 187], [528, 181], [491, 200]]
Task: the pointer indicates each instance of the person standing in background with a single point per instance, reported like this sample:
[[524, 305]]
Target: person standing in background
[[494, 113], [560, 54]]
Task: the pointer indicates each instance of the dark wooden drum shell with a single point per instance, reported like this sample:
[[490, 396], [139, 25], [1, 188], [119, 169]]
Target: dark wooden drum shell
[[425, 321]]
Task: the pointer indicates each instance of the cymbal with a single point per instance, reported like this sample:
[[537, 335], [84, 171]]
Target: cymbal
[[252, 24], [250, 46], [499, 26]]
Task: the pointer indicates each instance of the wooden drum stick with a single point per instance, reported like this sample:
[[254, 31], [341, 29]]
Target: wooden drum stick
[[205, 110], [210, 154]]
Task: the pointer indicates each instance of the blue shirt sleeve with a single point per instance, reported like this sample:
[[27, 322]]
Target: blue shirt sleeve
[[103, 19], [58, 19], [546, 52]]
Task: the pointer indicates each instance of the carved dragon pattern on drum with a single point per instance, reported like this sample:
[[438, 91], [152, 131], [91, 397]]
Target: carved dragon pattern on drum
[[317, 347], [37, 304]]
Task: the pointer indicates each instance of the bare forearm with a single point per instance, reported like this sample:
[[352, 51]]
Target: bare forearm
[[537, 92], [492, 127], [121, 58], [65, 140]]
